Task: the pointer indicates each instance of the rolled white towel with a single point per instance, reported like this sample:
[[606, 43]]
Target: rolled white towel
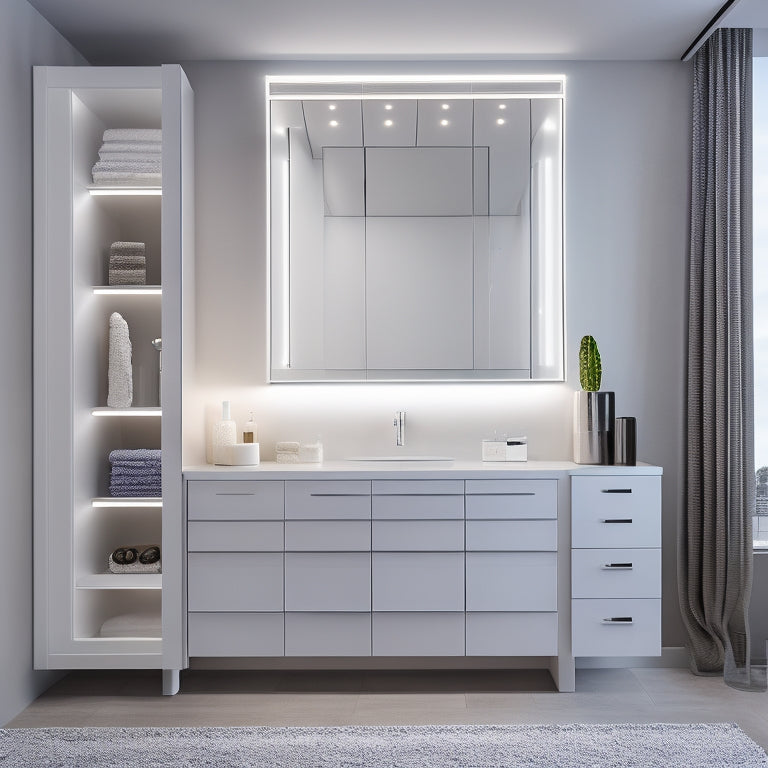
[[131, 146], [133, 134], [120, 373], [287, 446]]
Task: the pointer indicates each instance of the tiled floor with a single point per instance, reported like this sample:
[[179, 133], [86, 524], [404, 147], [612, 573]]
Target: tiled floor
[[396, 698]]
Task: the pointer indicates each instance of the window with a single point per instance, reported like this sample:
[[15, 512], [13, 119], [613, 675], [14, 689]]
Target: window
[[760, 292]]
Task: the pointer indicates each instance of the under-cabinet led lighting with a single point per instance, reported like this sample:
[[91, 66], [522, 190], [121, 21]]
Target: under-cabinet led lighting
[[96, 192], [334, 123], [387, 123], [127, 502], [444, 122], [501, 121], [125, 291], [387, 106], [446, 106], [126, 412], [331, 107], [502, 106]]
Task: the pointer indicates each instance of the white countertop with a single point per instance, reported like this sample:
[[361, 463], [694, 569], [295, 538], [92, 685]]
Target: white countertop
[[416, 470]]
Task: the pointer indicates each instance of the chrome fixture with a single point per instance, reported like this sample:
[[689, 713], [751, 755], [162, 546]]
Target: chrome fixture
[[399, 424]]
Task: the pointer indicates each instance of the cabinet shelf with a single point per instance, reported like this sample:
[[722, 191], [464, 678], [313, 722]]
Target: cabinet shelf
[[125, 502], [127, 290], [150, 410], [121, 581], [96, 191]]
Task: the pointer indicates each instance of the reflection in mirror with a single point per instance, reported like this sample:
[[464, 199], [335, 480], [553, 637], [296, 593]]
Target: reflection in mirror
[[416, 229]]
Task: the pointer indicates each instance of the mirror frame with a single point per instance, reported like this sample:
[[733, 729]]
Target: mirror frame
[[310, 87]]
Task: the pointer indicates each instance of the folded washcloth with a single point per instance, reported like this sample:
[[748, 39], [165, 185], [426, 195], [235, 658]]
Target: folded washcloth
[[154, 465], [135, 454], [286, 457], [135, 480], [129, 246], [135, 147], [287, 447], [108, 156], [149, 472], [133, 134], [120, 373], [118, 178], [127, 277]]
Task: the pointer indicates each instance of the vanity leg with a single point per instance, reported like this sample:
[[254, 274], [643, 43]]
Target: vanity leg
[[563, 671], [170, 682]]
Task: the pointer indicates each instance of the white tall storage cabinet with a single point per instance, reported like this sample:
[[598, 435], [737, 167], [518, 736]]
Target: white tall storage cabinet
[[76, 523]]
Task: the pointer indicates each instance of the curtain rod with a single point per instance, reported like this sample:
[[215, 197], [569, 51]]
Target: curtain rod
[[708, 30]]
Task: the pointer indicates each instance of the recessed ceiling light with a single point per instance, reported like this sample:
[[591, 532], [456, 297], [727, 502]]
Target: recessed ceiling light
[[387, 123], [444, 122], [334, 123], [501, 121], [446, 106], [502, 106], [331, 107], [387, 106]]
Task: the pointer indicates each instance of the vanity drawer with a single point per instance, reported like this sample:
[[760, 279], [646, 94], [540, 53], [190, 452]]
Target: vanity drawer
[[235, 634], [259, 536], [616, 511], [320, 581], [636, 633], [235, 499], [514, 581], [512, 535], [424, 581], [328, 500], [418, 535], [511, 499], [418, 634], [327, 536], [616, 573], [512, 634], [327, 634], [235, 581], [418, 507], [418, 487]]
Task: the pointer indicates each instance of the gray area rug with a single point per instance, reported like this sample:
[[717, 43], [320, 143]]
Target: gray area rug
[[700, 745]]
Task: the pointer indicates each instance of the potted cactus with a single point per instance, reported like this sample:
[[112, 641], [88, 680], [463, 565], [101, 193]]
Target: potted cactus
[[594, 410]]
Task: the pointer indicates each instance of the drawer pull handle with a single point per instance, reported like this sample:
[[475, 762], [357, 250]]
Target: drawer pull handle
[[616, 490], [229, 493], [623, 620], [338, 495], [617, 567], [617, 520]]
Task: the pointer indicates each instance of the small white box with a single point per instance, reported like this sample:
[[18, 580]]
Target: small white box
[[506, 449]]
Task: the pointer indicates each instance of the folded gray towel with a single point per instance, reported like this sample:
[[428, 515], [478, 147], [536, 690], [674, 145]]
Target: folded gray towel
[[120, 373], [135, 454], [147, 472], [121, 246], [127, 262], [122, 492], [127, 277], [133, 134], [135, 147]]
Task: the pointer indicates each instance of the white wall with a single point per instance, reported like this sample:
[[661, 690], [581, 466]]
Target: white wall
[[25, 39], [627, 170]]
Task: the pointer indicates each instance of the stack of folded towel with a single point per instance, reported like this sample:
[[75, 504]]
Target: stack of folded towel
[[135, 472], [130, 156], [127, 264], [287, 452]]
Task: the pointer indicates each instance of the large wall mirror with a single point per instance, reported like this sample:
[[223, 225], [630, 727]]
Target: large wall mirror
[[416, 229]]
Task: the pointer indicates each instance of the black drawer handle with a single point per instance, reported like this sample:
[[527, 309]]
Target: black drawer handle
[[617, 520], [616, 490], [621, 620], [617, 567]]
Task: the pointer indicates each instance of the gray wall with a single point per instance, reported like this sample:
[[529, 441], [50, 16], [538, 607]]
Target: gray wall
[[627, 170], [25, 39]]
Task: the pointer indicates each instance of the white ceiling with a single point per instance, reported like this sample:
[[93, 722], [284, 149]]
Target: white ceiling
[[158, 31]]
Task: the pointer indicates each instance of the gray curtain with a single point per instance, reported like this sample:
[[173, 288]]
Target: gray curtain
[[715, 541]]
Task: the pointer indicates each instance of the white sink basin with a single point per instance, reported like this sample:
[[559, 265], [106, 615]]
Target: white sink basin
[[404, 457]]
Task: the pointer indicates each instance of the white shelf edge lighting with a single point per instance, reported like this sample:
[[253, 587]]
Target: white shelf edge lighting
[[146, 501], [151, 411], [149, 290], [121, 581], [145, 191]]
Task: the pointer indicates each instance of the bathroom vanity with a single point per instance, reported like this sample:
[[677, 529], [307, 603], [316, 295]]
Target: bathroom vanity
[[532, 564]]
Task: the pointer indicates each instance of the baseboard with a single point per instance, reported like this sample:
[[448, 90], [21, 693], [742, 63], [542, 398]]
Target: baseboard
[[671, 657]]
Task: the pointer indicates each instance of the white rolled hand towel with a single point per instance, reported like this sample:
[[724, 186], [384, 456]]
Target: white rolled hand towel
[[120, 374]]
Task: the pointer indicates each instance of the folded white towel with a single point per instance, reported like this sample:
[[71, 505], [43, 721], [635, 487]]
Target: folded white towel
[[132, 166], [118, 178], [287, 447], [133, 134], [120, 373], [107, 156], [286, 457], [139, 624], [131, 146]]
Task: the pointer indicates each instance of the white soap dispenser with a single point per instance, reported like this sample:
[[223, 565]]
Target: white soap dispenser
[[224, 434]]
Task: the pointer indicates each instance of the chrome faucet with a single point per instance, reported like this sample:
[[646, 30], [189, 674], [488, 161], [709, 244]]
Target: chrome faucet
[[399, 425]]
